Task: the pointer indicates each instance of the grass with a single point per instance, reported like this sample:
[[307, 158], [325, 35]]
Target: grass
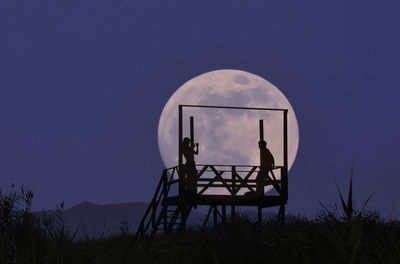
[[336, 235]]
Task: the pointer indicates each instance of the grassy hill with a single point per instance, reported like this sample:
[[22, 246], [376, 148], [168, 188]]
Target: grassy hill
[[347, 236]]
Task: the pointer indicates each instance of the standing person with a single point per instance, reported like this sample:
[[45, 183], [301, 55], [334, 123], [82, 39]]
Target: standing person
[[190, 166], [267, 163]]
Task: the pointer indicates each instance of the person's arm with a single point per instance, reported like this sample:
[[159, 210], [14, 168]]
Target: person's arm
[[197, 149]]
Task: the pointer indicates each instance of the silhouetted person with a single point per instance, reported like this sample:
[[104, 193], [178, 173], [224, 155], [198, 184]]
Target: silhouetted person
[[267, 163], [190, 166]]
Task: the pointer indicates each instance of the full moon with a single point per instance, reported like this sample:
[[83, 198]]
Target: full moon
[[228, 136]]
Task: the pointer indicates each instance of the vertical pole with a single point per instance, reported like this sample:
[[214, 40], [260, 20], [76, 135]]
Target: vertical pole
[[183, 217], [233, 213], [180, 135], [284, 177], [260, 179], [180, 158], [181, 173], [223, 214], [215, 215], [284, 173], [193, 183], [191, 132], [281, 214], [259, 214], [261, 130]]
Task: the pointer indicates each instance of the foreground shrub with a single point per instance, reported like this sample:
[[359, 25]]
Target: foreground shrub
[[330, 237]]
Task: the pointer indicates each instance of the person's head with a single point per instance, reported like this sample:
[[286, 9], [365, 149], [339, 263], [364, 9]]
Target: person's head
[[186, 142], [262, 144]]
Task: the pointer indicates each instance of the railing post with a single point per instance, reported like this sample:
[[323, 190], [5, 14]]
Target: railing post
[[284, 176], [261, 124], [191, 131], [181, 174]]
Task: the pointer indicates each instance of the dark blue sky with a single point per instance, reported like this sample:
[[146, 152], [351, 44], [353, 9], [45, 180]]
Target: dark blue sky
[[83, 84]]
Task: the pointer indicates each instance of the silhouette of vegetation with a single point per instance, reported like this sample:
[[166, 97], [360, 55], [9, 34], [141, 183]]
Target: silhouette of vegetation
[[335, 235]]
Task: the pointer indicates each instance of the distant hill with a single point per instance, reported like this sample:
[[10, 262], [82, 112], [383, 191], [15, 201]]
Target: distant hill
[[96, 220]]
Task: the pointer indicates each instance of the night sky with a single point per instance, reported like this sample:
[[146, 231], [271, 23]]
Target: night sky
[[83, 84]]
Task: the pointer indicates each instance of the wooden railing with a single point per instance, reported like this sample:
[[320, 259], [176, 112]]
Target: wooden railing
[[234, 178]]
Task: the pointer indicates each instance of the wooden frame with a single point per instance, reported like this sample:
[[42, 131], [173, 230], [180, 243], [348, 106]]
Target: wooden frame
[[184, 201]]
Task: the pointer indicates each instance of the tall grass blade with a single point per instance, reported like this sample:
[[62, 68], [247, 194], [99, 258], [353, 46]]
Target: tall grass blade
[[350, 198], [326, 209], [344, 206], [365, 204]]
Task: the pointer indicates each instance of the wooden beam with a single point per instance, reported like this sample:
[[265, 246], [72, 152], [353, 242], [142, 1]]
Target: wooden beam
[[243, 182], [218, 176], [181, 175], [261, 130], [234, 173], [281, 214], [206, 219], [233, 213], [202, 171], [234, 107], [215, 216], [285, 157], [209, 184], [191, 132]]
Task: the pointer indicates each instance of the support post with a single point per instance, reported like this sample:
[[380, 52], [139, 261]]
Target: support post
[[215, 216], [191, 132], [260, 178], [181, 174], [233, 213], [281, 214], [223, 214], [183, 218], [284, 177], [259, 214]]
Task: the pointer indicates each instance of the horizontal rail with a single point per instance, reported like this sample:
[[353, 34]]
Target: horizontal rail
[[171, 168], [173, 182], [224, 165], [230, 165], [236, 107], [218, 185], [230, 180]]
